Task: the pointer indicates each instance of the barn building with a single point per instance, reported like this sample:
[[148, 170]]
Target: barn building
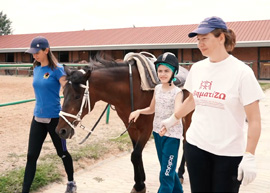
[[253, 44]]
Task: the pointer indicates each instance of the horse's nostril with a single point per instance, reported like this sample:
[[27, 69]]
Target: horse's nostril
[[62, 132]]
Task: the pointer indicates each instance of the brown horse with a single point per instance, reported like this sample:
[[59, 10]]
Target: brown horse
[[109, 81]]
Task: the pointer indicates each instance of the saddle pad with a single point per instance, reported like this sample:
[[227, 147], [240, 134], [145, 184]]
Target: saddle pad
[[145, 64]]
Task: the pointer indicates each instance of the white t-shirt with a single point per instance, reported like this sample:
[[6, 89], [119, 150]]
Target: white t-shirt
[[221, 90], [164, 108]]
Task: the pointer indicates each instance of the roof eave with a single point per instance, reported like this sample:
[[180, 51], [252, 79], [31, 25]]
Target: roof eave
[[241, 44], [137, 46], [107, 47]]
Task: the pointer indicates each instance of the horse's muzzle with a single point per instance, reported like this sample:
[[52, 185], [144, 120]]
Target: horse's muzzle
[[65, 133]]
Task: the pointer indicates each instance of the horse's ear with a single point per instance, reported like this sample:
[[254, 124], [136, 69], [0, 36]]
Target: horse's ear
[[88, 71], [87, 75], [67, 70]]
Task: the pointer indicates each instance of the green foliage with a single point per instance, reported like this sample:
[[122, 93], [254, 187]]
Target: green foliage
[[46, 173], [5, 24], [12, 181]]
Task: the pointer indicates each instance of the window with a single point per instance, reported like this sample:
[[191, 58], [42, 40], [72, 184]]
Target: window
[[64, 56], [10, 57]]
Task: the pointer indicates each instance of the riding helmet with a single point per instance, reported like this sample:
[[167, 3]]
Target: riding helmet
[[168, 58]]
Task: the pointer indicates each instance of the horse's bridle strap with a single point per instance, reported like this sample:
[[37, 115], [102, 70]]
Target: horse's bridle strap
[[85, 101]]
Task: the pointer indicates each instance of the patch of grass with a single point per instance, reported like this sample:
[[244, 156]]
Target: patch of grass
[[94, 151], [125, 139], [51, 158], [265, 86], [11, 182], [46, 173], [48, 170], [123, 142]]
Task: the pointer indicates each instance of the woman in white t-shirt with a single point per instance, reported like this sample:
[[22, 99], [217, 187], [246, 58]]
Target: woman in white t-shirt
[[166, 97], [224, 93]]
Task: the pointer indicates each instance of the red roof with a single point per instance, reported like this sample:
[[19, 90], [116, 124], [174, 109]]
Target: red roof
[[246, 31]]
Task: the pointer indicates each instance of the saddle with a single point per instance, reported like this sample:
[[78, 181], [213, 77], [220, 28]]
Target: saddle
[[146, 67]]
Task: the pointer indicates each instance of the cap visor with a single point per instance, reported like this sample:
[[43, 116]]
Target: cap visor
[[33, 50], [200, 31]]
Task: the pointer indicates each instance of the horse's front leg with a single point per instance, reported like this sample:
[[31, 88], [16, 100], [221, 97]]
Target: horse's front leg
[[181, 169], [139, 174], [136, 159]]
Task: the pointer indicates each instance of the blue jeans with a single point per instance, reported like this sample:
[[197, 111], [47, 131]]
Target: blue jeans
[[167, 150]]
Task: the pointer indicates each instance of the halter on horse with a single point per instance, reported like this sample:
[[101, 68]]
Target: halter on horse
[[85, 103]]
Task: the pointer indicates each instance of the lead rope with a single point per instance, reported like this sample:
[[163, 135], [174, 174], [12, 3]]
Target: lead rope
[[92, 130], [131, 98]]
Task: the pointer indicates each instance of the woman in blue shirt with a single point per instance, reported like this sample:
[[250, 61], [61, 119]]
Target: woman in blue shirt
[[49, 76]]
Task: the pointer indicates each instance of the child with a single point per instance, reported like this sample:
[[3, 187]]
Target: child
[[166, 98]]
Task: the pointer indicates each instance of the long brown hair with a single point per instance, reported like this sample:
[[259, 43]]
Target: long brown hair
[[52, 60], [230, 38]]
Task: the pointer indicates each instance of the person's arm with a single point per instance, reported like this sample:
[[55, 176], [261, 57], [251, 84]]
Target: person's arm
[[187, 106], [247, 169], [63, 81], [146, 111], [180, 112], [254, 126]]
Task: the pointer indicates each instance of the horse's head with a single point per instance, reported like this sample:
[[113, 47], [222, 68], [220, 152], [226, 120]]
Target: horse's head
[[76, 101]]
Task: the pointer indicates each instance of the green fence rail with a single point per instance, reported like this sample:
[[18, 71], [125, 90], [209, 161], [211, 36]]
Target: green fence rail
[[31, 65], [31, 100]]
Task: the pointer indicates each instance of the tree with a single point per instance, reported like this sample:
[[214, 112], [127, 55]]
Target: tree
[[5, 24]]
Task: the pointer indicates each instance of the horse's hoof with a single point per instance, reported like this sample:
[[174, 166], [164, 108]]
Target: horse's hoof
[[135, 191], [181, 180]]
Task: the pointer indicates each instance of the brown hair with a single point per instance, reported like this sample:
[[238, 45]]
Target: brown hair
[[52, 60], [230, 38]]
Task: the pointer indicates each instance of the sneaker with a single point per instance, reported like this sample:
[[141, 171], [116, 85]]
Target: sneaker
[[71, 187]]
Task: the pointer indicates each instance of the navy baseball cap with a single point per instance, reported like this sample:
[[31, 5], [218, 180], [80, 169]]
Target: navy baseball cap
[[208, 25], [37, 44]]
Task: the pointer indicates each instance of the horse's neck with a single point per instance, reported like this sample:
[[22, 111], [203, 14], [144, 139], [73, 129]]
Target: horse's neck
[[110, 85]]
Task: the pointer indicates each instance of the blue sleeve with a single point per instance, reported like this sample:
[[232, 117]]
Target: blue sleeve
[[60, 71]]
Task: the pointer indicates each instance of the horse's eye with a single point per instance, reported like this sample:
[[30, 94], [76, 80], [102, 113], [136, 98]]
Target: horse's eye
[[77, 97]]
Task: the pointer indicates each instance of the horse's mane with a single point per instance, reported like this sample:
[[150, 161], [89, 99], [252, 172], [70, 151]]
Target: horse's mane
[[97, 62]]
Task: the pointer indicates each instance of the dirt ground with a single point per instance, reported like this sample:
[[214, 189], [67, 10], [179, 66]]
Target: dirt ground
[[15, 124]]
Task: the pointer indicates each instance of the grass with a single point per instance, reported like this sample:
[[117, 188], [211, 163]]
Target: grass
[[94, 151], [11, 182], [123, 142], [265, 86], [47, 170]]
